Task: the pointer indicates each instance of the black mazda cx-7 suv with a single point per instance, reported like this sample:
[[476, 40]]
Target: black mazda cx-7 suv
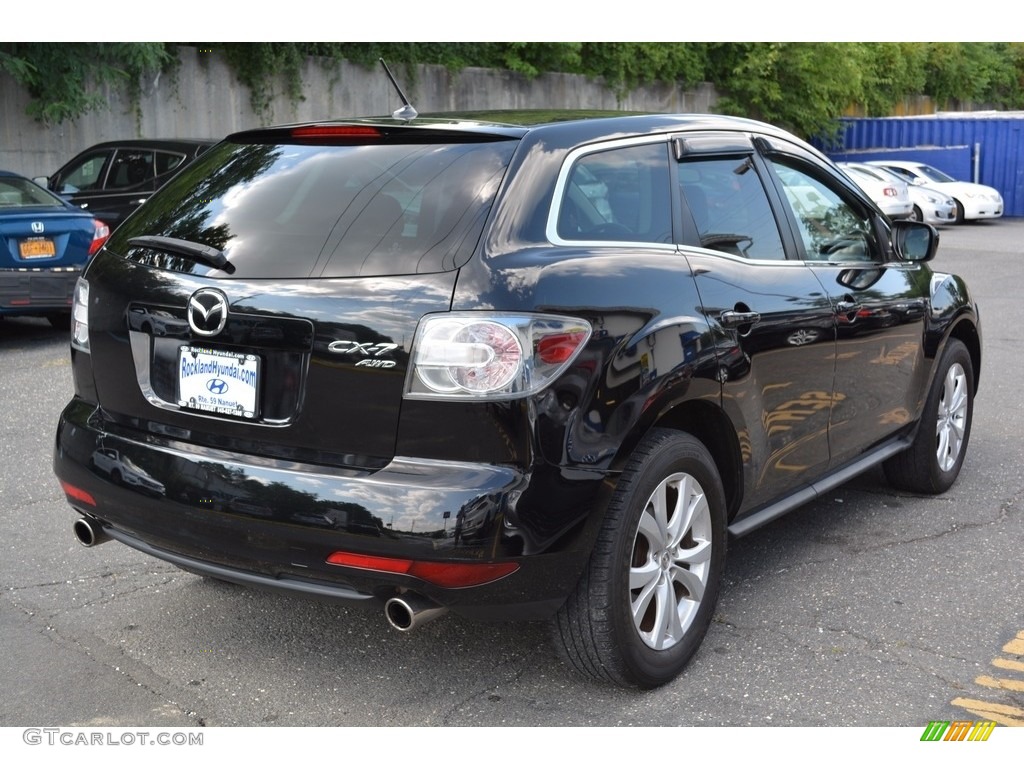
[[513, 366]]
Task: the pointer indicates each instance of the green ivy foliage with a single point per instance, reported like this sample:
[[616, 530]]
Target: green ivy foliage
[[64, 79], [802, 86]]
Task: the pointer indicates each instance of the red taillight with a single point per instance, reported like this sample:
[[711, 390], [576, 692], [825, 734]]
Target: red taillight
[[334, 132], [890, 192], [559, 347], [77, 494], [450, 575], [100, 234]]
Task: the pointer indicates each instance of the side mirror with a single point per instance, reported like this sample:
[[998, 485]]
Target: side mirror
[[915, 240], [42, 181]]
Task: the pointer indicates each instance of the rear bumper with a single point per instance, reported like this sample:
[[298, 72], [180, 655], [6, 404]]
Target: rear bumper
[[28, 291], [274, 524]]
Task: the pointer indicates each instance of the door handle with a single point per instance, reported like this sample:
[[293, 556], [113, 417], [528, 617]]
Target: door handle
[[733, 319]]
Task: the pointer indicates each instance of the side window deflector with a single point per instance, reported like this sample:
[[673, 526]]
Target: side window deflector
[[688, 146]]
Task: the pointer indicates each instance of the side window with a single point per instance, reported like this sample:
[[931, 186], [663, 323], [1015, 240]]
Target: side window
[[167, 161], [830, 227], [130, 169], [729, 207], [619, 194], [85, 175]]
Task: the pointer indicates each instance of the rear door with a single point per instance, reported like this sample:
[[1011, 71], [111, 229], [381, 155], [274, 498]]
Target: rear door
[[773, 322]]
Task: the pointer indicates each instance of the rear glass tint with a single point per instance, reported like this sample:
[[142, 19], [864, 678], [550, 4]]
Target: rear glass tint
[[279, 210]]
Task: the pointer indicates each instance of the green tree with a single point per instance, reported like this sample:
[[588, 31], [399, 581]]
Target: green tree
[[627, 65], [801, 86], [892, 73], [64, 79]]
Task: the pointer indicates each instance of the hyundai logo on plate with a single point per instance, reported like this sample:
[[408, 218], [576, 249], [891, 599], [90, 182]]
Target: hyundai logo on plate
[[217, 386]]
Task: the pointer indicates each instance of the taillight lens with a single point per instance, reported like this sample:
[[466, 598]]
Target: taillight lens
[[476, 355], [99, 236], [80, 316]]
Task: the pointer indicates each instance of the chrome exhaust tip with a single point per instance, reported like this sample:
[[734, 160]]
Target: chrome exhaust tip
[[407, 612], [89, 532]]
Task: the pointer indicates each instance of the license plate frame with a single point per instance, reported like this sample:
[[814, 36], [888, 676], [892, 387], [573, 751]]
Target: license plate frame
[[37, 248], [218, 382]]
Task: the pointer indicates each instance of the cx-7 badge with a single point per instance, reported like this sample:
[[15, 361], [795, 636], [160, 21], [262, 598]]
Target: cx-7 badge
[[370, 353]]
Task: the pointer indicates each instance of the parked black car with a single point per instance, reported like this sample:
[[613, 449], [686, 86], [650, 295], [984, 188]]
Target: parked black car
[[528, 366], [112, 179]]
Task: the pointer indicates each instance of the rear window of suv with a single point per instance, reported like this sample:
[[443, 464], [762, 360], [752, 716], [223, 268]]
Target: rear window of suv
[[301, 210]]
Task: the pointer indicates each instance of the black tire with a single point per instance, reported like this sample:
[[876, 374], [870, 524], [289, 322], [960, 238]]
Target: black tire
[[916, 215], [677, 563], [933, 461], [960, 217]]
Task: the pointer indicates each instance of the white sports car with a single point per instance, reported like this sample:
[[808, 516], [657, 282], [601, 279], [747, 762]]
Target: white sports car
[[973, 201]]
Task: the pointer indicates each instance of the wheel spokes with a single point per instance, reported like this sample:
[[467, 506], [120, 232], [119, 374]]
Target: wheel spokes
[[671, 561], [951, 421]]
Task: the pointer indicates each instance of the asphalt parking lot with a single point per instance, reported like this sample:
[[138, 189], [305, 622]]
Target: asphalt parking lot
[[866, 608]]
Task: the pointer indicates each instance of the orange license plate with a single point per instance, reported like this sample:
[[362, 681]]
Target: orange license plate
[[37, 248]]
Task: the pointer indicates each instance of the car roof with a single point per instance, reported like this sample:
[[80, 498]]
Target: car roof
[[899, 163], [590, 124], [153, 143]]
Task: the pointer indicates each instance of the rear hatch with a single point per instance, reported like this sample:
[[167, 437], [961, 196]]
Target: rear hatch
[[41, 240], [264, 301], [37, 238], [38, 230]]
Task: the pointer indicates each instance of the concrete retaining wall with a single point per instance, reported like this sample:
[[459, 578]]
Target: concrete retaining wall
[[204, 100]]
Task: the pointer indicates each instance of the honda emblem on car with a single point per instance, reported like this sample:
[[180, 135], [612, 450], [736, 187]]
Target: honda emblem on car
[[38, 227], [207, 312]]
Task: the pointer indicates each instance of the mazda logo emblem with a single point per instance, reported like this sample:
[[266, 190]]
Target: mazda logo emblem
[[207, 312]]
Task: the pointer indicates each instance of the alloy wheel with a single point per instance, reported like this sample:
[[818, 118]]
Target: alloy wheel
[[670, 564], [950, 427]]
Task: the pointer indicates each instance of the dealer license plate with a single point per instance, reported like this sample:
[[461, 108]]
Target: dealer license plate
[[218, 382], [37, 248]]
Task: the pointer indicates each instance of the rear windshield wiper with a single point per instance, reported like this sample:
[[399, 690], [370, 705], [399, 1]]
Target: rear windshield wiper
[[197, 251]]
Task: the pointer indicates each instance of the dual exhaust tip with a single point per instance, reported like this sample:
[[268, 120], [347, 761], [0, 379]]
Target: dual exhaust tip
[[89, 532], [404, 612], [409, 611]]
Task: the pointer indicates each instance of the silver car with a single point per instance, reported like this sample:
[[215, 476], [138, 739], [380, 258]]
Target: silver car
[[930, 205], [893, 197]]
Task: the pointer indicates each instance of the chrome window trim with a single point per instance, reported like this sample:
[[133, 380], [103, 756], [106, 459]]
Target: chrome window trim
[[551, 228]]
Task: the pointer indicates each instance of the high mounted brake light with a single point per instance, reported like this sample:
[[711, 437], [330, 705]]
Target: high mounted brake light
[[335, 132]]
